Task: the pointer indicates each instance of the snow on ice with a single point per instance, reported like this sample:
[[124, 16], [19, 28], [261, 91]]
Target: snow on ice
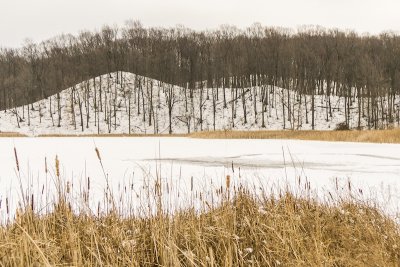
[[185, 167]]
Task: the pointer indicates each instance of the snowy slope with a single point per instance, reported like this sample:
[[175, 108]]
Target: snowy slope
[[42, 117]]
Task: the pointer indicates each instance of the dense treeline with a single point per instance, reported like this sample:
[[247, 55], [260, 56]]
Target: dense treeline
[[312, 61]]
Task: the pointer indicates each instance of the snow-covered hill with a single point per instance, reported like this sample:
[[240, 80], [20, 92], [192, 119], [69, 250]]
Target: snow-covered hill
[[127, 103]]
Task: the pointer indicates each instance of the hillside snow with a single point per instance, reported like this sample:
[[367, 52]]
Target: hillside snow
[[76, 110]]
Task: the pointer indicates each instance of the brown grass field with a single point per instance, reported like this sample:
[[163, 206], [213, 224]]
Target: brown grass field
[[246, 231], [369, 136], [11, 134]]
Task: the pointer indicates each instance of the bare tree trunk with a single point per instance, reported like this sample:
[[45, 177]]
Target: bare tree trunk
[[223, 89], [59, 110], [201, 106], [51, 112], [244, 105], [214, 104], [73, 107], [95, 102], [80, 111], [255, 102], [283, 109], [263, 99], [129, 114]]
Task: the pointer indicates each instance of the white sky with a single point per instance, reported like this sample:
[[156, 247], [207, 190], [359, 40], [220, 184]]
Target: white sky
[[42, 19]]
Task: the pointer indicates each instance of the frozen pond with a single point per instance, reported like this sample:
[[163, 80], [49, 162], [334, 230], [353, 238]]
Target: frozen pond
[[192, 165]]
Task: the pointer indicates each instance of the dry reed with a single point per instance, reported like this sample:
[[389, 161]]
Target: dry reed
[[369, 136], [247, 230], [11, 134]]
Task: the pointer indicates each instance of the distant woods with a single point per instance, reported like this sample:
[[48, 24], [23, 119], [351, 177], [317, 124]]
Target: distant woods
[[311, 61]]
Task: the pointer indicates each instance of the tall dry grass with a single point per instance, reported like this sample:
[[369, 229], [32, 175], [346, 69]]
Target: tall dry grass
[[244, 229], [11, 134], [247, 231], [370, 136]]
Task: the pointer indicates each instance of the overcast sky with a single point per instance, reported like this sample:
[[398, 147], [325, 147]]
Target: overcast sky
[[42, 19]]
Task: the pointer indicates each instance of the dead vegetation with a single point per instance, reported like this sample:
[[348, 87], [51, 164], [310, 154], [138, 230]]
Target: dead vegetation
[[273, 231], [11, 134], [370, 136]]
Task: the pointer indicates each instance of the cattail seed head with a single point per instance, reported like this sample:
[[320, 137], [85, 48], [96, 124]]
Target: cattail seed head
[[98, 153], [16, 158], [18, 215], [228, 181], [57, 167], [32, 202], [45, 165], [7, 206]]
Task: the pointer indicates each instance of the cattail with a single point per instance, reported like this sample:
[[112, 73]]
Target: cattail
[[16, 158], [98, 153], [228, 181], [98, 209], [57, 167], [18, 215], [32, 202], [68, 187], [7, 206], [157, 189], [45, 165]]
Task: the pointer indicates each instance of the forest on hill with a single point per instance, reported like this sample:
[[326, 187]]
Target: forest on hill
[[311, 61]]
